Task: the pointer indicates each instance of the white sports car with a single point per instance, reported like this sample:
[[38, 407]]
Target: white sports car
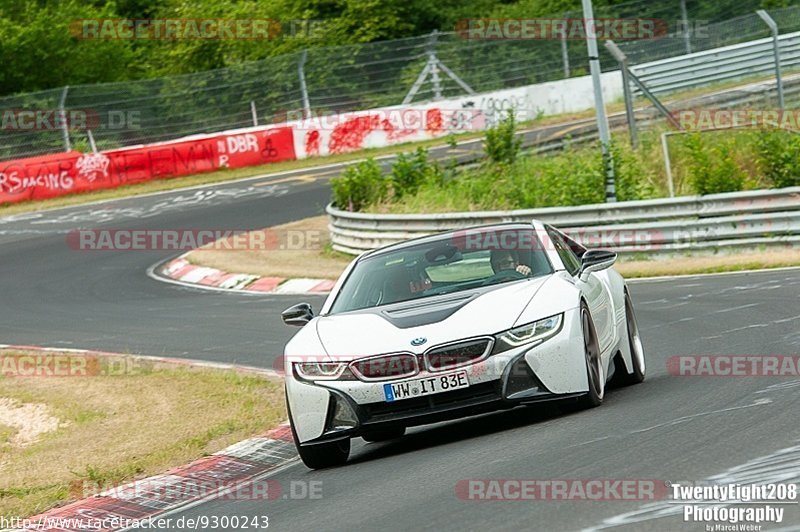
[[452, 325]]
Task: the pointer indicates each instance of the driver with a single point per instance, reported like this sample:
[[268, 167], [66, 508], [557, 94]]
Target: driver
[[503, 260]]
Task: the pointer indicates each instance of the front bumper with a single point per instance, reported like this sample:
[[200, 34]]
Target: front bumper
[[552, 370]]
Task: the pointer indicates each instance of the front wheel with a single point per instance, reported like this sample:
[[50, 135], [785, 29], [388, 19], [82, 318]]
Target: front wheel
[[635, 345], [320, 455], [594, 367]]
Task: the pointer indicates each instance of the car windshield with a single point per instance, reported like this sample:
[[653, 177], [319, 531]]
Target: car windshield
[[458, 261]]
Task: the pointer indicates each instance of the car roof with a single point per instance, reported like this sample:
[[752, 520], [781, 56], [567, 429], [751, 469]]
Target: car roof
[[439, 236]]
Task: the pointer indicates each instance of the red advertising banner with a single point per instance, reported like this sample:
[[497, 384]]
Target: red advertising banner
[[55, 175]]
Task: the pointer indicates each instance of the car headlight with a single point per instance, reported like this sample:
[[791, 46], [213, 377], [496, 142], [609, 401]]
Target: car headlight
[[322, 371], [530, 333]]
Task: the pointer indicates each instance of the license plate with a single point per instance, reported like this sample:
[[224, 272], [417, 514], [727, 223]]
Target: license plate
[[396, 391]]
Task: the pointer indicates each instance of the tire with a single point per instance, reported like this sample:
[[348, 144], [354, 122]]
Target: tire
[[635, 345], [594, 369], [384, 434], [320, 455]]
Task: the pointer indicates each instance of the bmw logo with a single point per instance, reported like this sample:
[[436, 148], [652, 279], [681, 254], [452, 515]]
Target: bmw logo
[[416, 342]]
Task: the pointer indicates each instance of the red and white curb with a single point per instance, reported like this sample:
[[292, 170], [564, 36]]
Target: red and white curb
[[230, 472], [182, 271], [227, 472]]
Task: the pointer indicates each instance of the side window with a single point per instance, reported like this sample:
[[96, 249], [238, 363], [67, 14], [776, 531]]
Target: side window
[[571, 261], [576, 248]]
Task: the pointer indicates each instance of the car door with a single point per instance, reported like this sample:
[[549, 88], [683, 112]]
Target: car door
[[598, 296]]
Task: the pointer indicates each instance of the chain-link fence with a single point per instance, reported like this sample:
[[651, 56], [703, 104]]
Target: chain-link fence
[[708, 35], [346, 78]]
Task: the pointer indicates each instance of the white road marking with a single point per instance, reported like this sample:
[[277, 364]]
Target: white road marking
[[736, 308], [678, 421]]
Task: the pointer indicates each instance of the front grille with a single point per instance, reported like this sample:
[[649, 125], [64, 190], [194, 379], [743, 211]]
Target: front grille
[[458, 354], [393, 366], [475, 394]]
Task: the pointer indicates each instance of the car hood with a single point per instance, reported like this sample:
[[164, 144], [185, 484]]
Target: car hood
[[438, 319]]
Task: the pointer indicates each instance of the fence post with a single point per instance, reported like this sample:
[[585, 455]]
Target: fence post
[[602, 119], [253, 112], [62, 112], [776, 50], [686, 33], [667, 163], [91, 141], [565, 54], [303, 89], [626, 90], [437, 84]]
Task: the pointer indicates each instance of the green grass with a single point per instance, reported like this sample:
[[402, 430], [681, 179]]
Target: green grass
[[115, 428]]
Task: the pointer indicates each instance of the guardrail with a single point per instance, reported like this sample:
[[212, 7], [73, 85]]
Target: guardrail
[[663, 226], [720, 64]]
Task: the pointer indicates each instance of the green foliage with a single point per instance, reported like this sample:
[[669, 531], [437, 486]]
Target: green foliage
[[500, 142], [713, 169], [778, 157], [359, 185], [410, 171], [634, 179], [38, 50], [363, 184], [711, 162]]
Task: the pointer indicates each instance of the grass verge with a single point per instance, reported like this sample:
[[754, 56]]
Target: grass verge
[[320, 261], [687, 265], [311, 257], [132, 421]]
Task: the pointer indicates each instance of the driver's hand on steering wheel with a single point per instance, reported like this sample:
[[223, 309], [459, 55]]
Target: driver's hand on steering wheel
[[523, 269]]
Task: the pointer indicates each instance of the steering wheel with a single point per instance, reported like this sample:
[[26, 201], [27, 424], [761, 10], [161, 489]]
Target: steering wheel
[[502, 276]]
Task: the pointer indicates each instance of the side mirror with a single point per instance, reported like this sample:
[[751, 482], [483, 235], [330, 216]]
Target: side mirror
[[595, 260], [298, 315]]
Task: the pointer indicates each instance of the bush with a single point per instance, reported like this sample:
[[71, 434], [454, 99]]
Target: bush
[[778, 157], [500, 142], [410, 171], [360, 185], [633, 179], [713, 169]]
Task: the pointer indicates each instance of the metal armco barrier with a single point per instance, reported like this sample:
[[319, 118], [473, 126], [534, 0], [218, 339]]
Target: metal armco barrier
[[663, 226], [720, 64]]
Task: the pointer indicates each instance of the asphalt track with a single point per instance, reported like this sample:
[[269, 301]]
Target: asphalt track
[[669, 428]]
